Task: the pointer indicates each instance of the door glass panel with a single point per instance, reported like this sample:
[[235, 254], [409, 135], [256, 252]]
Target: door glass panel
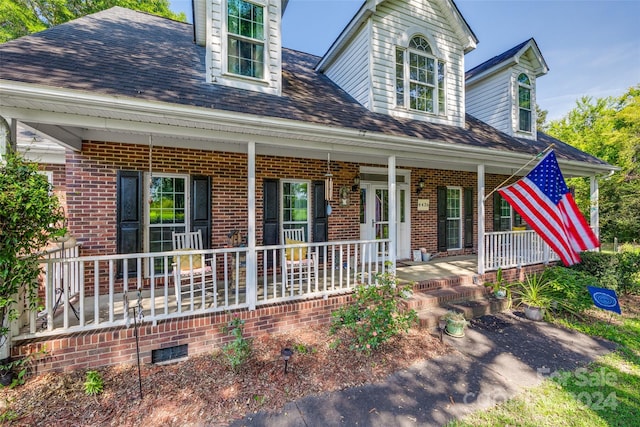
[[363, 206], [382, 214]]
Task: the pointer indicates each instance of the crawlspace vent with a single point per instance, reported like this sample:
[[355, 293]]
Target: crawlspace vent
[[170, 353]]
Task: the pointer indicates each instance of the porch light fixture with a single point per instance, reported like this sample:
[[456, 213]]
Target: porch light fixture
[[328, 181], [356, 183], [421, 185], [286, 354]]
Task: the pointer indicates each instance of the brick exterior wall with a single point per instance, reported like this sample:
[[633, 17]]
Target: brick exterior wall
[[203, 334]]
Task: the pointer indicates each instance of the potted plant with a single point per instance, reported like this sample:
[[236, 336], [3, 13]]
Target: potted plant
[[455, 323], [500, 287], [534, 294]]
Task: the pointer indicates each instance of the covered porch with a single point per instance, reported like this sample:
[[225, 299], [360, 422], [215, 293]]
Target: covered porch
[[84, 293]]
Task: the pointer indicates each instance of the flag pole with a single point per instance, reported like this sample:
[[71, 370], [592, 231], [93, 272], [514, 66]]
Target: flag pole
[[536, 157]]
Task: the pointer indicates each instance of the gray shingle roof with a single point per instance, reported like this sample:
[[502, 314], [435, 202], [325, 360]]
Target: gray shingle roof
[[496, 60], [133, 54]]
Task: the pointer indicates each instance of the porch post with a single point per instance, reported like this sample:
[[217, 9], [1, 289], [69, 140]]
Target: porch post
[[481, 216], [595, 206], [252, 259], [393, 234]]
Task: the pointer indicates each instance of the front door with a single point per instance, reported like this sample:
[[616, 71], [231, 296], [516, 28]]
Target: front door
[[374, 215]]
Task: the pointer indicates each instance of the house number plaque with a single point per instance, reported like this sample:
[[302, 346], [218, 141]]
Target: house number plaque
[[423, 204]]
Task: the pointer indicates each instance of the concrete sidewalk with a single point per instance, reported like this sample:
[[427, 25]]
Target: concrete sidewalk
[[500, 356]]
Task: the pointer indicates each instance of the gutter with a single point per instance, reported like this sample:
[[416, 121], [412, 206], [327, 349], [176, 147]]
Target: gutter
[[251, 126]]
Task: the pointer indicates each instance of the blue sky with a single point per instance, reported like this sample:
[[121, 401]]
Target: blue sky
[[592, 48]]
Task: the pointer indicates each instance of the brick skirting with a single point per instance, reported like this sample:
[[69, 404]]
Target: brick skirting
[[202, 334]]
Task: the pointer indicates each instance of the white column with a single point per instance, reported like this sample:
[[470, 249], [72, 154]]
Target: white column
[[393, 223], [252, 258], [481, 219], [595, 206]]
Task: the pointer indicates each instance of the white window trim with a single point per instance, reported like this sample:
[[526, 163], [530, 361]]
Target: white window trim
[[404, 47], [225, 44], [517, 103], [147, 196], [309, 201], [460, 218]]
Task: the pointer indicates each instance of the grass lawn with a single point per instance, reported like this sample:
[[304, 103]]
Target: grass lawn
[[605, 393]]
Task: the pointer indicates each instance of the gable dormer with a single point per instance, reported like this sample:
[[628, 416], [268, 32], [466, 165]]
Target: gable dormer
[[243, 41], [404, 58], [502, 90]]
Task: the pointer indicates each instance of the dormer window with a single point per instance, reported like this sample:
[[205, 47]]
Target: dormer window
[[245, 26], [423, 74], [524, 103]]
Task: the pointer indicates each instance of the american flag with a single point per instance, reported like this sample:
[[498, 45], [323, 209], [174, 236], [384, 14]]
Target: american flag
[[545, 203]]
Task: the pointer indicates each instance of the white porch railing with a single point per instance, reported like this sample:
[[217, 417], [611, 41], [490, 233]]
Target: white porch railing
[[508, 249], [96, 292]]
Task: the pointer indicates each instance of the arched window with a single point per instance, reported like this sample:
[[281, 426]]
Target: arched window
[[420, 78], [524, 103]]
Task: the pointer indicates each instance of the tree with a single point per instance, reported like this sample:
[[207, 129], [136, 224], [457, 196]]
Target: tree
[[22, 17], [608, 128], [30, 216], [541, 118]]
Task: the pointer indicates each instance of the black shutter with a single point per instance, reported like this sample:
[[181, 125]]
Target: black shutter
[[468, 217], [442, 219], [497, 224], [129, 216], [201, 208], [271, 220], [320, 218]]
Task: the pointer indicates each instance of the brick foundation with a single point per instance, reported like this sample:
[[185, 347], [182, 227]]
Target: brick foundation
[[202, 334]]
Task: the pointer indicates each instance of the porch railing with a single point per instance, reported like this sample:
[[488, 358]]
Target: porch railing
[[95, 292], [508, 249]]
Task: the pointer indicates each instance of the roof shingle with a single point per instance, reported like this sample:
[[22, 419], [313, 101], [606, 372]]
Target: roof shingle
[[122, 52]]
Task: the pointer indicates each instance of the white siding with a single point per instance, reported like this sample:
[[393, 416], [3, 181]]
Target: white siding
[[494, 98], [491, 101], [350, 70], [217, 51], [393, 24]]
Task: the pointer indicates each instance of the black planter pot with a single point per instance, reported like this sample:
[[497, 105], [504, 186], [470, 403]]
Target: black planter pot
[[6, 377]]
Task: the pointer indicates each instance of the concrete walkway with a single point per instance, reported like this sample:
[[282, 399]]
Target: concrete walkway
[[500, 356]]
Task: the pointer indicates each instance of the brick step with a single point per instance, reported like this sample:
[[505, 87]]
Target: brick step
[[428, 317], [446, 282], [442, 296]]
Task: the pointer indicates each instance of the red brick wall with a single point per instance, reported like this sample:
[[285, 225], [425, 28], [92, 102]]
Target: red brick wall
[[202, 334], [91, 187]]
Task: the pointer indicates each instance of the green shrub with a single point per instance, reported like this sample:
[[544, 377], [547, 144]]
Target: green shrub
[[569, 289], [239, 350], [630, 271], [617, 271], [376, 315], [94, 384], [604, 266]]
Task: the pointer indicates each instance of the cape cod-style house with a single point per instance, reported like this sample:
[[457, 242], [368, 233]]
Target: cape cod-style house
[[379, 148]]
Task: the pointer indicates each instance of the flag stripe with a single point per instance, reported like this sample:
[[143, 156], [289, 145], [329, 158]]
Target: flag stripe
[[541, 214], [580, 230], [545, 203]]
